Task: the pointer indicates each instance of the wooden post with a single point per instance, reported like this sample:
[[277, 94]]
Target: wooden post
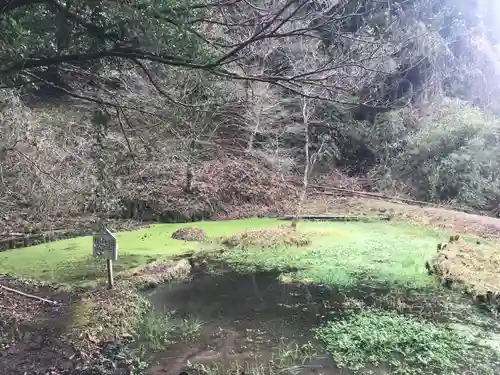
[[105, 246], [109, 262]]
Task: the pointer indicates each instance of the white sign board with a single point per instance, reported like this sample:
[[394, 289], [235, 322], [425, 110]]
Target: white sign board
[[105, 245]]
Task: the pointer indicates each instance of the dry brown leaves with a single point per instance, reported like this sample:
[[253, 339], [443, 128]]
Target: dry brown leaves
[[340, 179], [266, 238], [223, 188], [156, 273], [38, 338], [189, 234], [475, 266], [102, 315], [442, 217]]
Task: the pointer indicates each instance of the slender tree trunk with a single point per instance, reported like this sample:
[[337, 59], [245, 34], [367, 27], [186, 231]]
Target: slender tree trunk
[[251, 139], [256, 115], [188, 188], [305, 180]]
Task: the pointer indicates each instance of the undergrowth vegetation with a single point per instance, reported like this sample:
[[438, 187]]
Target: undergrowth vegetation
[[156, 330], [402, 344], [450, 155], [230, 143]]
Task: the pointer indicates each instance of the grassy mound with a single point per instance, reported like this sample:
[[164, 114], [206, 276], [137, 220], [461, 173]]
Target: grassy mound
[[157, 272], [403, 344], [189, 234], [474, 266], [102, 314], [267, 238]]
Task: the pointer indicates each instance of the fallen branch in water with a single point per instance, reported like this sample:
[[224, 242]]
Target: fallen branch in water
[[28, 295]]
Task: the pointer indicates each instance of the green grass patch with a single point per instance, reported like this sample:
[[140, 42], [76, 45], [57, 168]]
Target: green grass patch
[[338, 253], [190, 328], [402, 344], [345, 253], [70, 261], [154, 331]]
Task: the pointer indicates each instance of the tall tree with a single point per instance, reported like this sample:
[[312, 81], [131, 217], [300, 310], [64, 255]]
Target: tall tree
[[45, 40]]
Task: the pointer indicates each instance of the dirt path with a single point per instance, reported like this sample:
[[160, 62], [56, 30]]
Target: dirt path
[[31, 331], [484, 226], [461, 222]]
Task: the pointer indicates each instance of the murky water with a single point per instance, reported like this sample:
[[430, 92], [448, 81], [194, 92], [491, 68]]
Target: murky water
[[246, 318]]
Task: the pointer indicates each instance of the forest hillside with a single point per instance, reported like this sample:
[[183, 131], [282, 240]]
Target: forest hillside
[[190, 109]]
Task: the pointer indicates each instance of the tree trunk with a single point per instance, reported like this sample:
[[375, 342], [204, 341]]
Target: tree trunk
[[305, 179]]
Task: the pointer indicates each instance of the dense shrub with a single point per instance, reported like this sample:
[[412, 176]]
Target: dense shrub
[[452, 154]]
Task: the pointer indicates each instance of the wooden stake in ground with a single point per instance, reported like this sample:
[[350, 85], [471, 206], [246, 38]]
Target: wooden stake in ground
[[110, 273], [105, 246]]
